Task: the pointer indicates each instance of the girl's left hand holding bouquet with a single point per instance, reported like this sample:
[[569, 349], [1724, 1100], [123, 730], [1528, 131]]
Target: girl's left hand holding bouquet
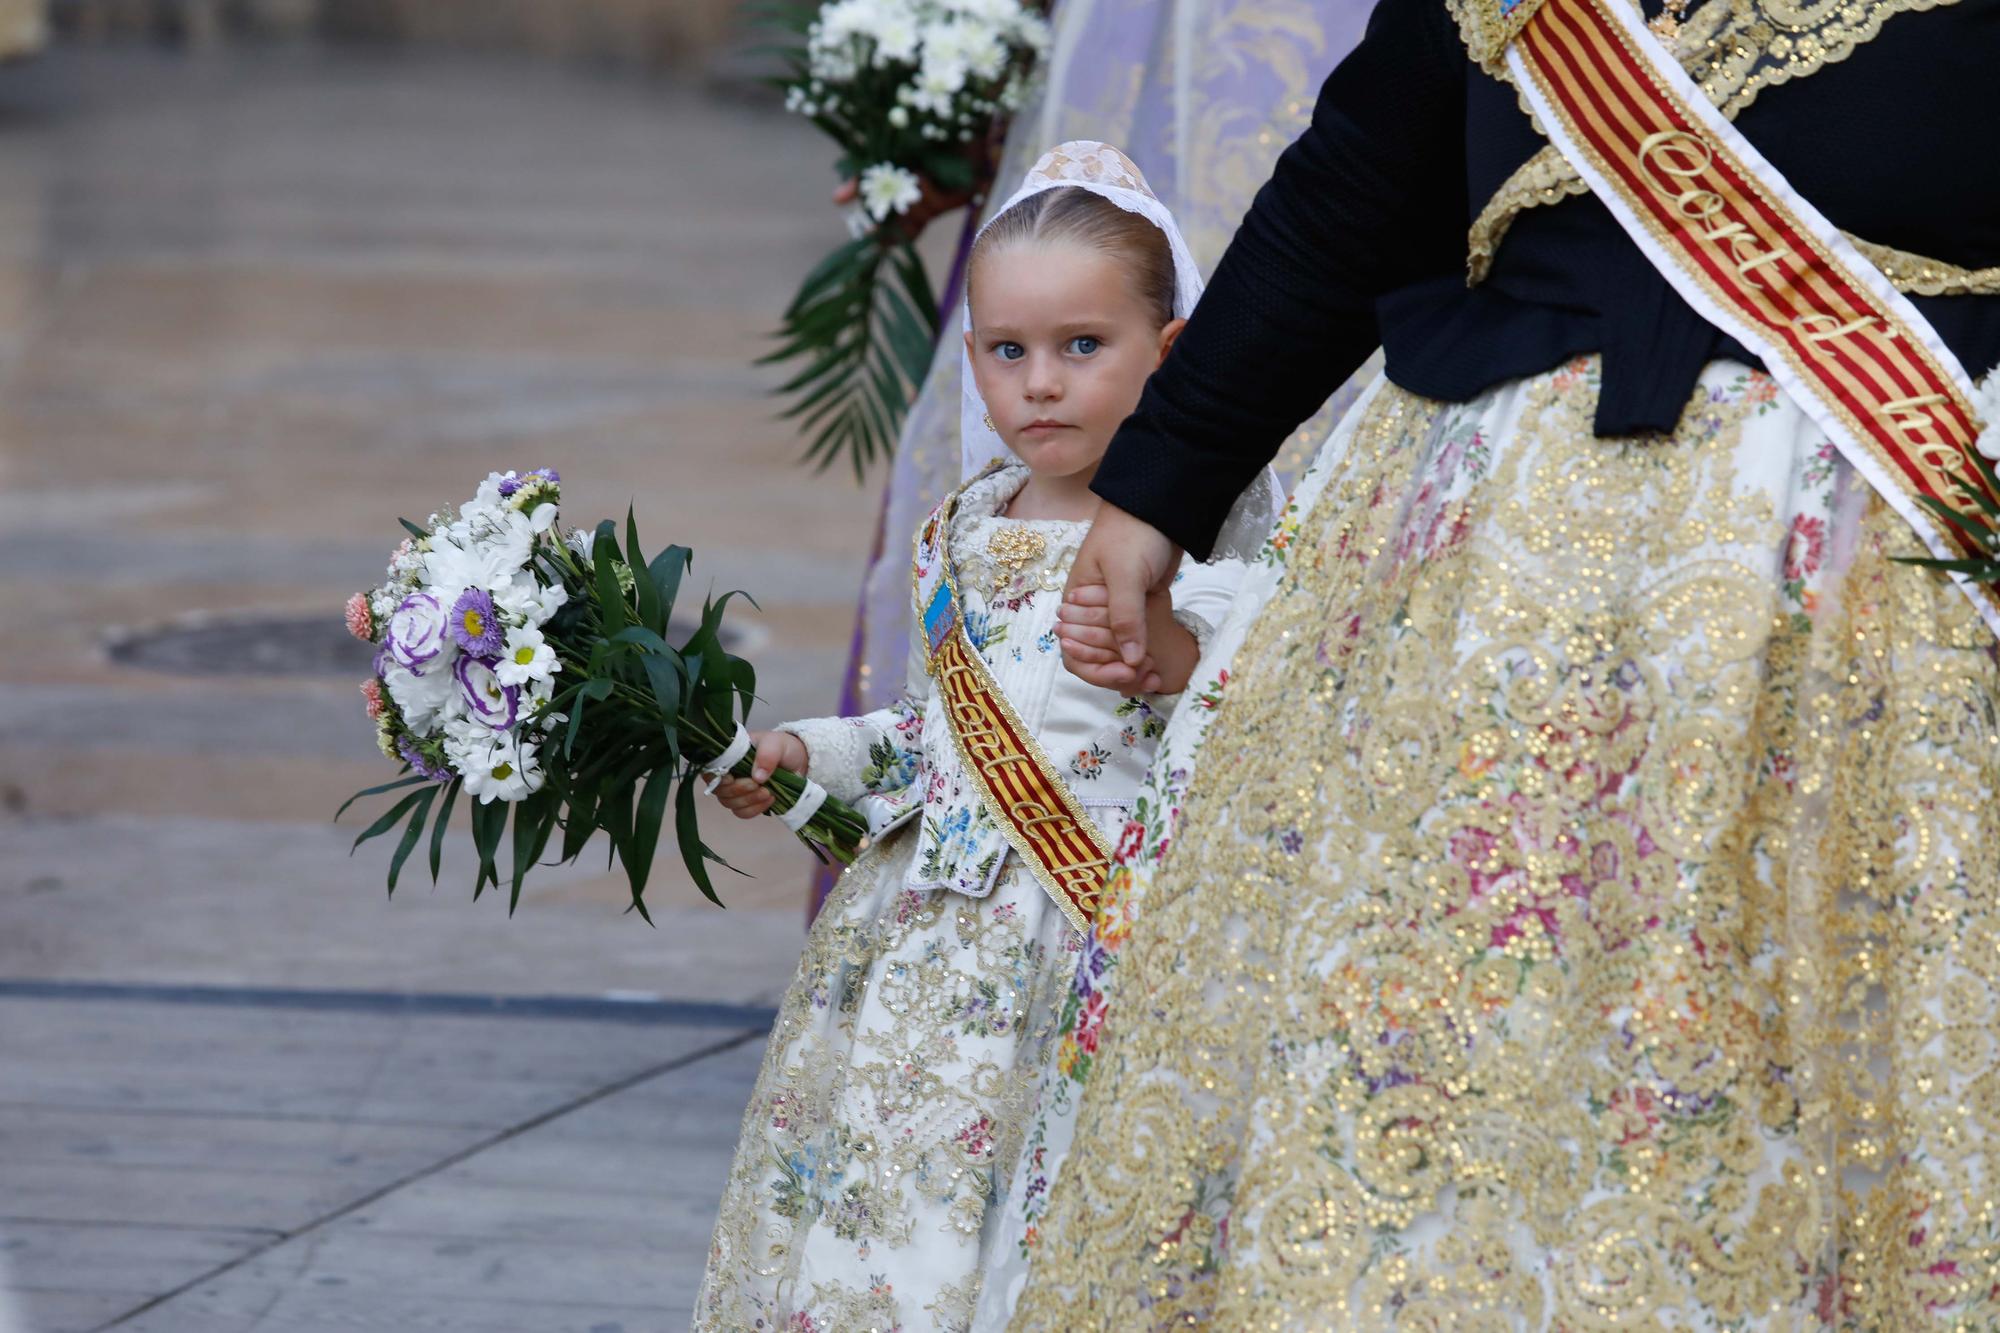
[[529, 667]]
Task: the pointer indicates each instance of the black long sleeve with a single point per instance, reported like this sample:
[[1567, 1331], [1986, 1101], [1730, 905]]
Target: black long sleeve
[[1370, 198], [1360, 238]]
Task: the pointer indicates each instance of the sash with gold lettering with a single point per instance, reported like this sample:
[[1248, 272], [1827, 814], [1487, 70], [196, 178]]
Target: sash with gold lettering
[[1754, 258], [1020, 788]]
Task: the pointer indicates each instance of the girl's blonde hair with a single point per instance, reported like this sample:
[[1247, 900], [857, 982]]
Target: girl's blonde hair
[[1069, 213]]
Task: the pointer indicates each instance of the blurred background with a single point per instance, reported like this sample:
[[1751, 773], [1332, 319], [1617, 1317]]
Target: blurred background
[[273, 272]]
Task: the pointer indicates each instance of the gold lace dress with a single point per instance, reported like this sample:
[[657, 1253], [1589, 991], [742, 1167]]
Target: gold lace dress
[[1580, 911]]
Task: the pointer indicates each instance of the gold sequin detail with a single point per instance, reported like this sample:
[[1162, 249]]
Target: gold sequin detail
[[1011, 550], [1577, 920]]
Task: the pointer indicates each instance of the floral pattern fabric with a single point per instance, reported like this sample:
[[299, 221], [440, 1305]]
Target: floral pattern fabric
[[888, 1111], [1583, 914]]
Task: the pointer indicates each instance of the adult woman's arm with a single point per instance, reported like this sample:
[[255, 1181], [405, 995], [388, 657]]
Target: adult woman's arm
[[1369, 198]]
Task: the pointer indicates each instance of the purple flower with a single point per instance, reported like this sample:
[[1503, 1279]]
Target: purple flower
[[511, 483], [416, 632], [497, 706], [415, 759], [475, 625]]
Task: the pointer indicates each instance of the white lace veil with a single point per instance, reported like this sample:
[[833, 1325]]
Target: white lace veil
[[1088, 165]]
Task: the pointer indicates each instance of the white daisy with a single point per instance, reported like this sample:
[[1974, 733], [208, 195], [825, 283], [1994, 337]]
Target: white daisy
[[887, 189], [527, 657]]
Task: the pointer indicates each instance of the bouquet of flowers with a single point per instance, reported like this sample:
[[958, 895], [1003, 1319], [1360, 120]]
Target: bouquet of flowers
[[529, 667], [916, 94]]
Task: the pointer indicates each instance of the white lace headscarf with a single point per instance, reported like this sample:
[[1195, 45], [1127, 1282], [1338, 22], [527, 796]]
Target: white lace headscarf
[[1085, 164]]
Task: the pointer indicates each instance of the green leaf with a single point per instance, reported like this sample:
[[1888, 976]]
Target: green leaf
[[646, 829], [377, 791], [387, 821], [576, 718], [663, 673], [411, 834], [641, 636], [611, 598], [744, 677], [437, 832], [838, 266], [489, 822], [687, 835], [667, 568], [1978, 571], [411, 528], [534, 822], [614, 815], [642, 580], [578, 825], [1956, 519]]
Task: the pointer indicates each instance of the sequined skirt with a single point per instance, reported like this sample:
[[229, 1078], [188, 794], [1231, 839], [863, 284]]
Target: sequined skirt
[[1575, 917]]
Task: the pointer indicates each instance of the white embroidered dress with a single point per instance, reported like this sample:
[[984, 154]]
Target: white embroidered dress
[[893, 1090]]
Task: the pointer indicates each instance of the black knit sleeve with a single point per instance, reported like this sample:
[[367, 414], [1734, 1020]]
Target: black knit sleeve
[[1370, 197]]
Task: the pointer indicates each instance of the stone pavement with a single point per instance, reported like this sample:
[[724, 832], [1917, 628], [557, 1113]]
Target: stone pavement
[[253, 306]]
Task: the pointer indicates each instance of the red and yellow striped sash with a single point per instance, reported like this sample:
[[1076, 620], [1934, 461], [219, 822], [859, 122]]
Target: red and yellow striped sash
[[1019, 786], [1757, 260]]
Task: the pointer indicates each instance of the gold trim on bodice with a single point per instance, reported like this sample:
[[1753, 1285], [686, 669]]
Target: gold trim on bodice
[[1734, 49]]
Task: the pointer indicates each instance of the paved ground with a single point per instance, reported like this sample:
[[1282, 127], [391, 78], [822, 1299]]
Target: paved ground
[[252, 307]]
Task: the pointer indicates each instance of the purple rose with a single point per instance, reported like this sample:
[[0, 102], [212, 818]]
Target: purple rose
[[490, 702], [475, 624], [416, 632]]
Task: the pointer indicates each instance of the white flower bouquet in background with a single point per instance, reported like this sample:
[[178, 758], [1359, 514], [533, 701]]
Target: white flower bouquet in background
[[916, 93], [529, 668]]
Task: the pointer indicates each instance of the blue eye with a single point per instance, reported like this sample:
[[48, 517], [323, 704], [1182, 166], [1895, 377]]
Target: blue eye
[[1009, 351], [1085, 345]]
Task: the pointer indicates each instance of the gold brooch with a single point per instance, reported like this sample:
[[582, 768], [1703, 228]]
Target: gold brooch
[[1013, 550]]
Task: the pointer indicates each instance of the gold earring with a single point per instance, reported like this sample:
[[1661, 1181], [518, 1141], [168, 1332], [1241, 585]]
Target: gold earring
[[987, 417]]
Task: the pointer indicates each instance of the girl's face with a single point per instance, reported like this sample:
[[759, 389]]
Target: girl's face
[[1061, 343]]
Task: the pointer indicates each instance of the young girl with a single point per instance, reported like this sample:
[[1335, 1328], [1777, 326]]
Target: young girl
[[893, 1090]]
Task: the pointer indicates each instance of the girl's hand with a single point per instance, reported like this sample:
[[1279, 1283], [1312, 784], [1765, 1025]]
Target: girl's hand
[[1090, 645], [1090, 653], [746, 798]]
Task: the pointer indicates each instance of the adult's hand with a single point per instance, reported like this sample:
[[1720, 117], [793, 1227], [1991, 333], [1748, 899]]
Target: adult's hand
[[1127, 558]]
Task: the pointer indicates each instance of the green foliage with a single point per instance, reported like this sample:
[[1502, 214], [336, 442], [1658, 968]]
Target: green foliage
[[864, 324], [656, 713], [1982, 526]]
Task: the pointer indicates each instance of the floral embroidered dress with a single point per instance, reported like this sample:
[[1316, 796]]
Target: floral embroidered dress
[[1575, 908], [889, 1108]]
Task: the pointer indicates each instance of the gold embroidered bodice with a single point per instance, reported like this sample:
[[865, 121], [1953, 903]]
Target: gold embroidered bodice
[[1734, 49]]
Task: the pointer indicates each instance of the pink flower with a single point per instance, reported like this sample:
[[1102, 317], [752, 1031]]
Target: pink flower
[[1131, 842], [1807, 547], [1091, 1020], [371, 690], [360, 620]]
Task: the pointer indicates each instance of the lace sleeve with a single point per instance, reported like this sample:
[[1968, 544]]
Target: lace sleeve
[[878, 753]]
